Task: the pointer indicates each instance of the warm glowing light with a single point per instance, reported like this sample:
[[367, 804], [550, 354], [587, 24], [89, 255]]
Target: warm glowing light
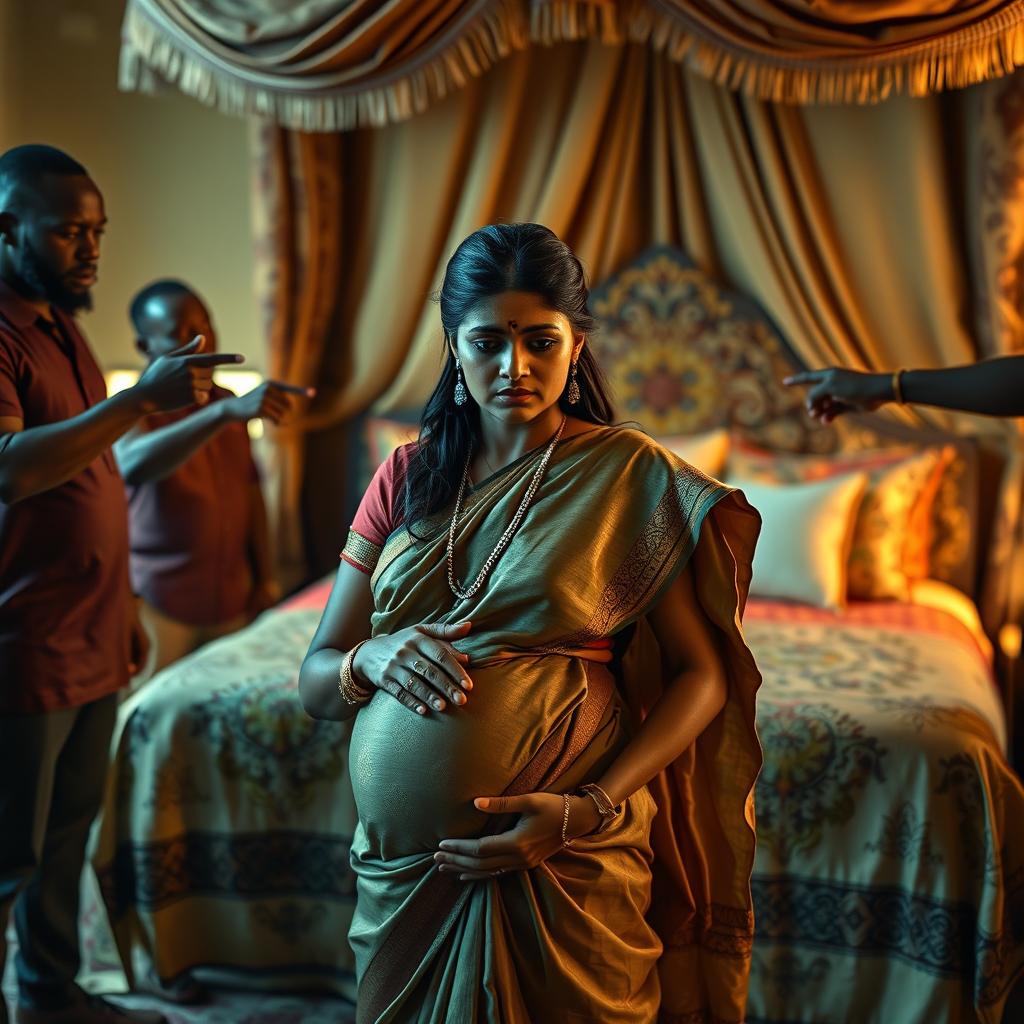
[[1010, 639], [239, 381], [119, 380]]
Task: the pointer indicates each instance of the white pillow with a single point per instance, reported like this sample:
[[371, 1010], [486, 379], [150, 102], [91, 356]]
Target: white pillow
[[706, 452], [805, 538]]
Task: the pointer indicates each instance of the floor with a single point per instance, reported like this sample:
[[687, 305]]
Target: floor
[[224, 1006]]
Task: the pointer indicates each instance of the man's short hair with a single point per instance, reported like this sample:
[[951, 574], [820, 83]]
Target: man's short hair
[[23, 166], [165, 288]]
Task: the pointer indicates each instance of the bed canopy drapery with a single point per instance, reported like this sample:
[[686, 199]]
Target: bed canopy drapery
[[325, 65], [874, 234]]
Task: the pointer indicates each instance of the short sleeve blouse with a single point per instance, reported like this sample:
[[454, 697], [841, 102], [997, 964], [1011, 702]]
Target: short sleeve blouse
[[379, 513]]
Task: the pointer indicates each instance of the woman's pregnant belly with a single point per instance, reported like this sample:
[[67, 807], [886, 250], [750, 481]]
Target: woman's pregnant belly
[[415, 776]]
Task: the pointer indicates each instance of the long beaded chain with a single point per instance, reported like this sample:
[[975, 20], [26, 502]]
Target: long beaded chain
[[465, 593]]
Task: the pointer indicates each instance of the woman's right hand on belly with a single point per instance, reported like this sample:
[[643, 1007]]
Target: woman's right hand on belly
[[418, 666]]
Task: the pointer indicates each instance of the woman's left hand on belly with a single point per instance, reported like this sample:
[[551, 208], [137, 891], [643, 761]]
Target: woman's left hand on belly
[[535, 837]]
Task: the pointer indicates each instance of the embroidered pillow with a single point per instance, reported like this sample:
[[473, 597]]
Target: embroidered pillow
[[803, 550], [892, 534]]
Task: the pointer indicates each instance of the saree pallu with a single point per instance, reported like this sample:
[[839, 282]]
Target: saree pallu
[[580, 937]]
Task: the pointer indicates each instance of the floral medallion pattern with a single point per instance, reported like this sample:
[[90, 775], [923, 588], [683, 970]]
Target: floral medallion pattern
[[821, 759], [685, 356]]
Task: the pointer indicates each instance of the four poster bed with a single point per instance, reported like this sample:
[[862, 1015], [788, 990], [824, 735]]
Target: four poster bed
[[889, 882]]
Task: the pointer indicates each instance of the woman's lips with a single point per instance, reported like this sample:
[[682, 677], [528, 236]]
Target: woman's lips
[[515, 396]]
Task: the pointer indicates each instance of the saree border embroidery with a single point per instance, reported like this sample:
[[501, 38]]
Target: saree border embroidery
[[676, 520], [361, 551], [723, 930], [397, 543]]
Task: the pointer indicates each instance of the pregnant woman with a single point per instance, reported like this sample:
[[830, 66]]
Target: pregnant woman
[[536, 626]]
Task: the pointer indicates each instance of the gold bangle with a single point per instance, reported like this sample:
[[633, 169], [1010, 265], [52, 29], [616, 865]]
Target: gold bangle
[[351, 692], [608, 811], [897, 386]]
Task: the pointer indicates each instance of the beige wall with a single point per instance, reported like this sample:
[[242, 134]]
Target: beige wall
[[174, 174]]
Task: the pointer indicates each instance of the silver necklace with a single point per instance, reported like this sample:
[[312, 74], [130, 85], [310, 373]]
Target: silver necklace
[[465, 593]]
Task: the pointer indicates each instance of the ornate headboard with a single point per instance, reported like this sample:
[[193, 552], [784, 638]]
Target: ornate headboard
[[684, 355]]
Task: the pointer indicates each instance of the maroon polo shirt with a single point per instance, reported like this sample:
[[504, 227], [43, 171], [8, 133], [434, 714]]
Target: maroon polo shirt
[[64, 592], [190, 530]]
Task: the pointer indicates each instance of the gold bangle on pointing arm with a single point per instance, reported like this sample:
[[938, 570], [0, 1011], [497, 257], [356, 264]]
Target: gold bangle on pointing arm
[[897, 386]]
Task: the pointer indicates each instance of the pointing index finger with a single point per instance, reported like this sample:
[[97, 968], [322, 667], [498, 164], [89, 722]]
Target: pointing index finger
[[293, 389], [215, 359], [804, 377]]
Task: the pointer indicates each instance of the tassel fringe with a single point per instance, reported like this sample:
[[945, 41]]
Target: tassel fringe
[[156, 52], [973, 54]]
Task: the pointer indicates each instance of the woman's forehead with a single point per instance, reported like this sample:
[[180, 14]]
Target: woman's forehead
[[519, 308]]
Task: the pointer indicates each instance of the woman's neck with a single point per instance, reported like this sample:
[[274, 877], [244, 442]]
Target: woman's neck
[[503, 443]]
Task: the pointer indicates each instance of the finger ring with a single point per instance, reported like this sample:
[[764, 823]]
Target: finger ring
[[419, 666]]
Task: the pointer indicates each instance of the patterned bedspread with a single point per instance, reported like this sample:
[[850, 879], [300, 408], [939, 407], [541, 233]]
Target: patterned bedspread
[[224, 837], [889, 884]]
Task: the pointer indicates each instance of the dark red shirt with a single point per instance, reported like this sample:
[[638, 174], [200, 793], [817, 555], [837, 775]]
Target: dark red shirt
[[190, 531], [64, 592]]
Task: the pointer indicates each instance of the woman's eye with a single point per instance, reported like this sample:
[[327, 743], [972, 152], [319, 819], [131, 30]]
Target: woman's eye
[[543, 344], [485, 344]]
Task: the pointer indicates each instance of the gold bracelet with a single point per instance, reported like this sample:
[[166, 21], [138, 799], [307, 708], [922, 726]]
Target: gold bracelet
[[897, 386], [565, 820], [608, 811], [351, 692]]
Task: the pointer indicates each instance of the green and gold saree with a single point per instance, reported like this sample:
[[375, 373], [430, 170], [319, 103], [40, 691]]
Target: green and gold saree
[[649, 920]]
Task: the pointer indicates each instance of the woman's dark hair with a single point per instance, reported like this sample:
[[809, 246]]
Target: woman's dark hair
[[497, 258]]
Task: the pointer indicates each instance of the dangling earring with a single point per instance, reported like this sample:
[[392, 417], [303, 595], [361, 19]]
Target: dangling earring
[[461, 395], [572, 396]]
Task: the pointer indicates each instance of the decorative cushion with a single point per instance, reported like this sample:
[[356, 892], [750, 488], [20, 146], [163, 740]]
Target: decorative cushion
[[892, 535], [707, 451], [803, 550]]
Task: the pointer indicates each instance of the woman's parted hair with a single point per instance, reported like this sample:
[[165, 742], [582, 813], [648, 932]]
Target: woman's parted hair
[[497, 258]]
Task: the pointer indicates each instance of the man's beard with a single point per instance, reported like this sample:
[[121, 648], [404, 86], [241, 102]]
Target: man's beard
[[44, 283]]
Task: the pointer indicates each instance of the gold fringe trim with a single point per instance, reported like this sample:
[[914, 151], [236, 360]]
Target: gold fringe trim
[[562, 21], [973, 54], [156, 50]]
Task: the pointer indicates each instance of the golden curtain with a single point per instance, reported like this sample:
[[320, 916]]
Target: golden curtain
[[847, 224], [329, 65]]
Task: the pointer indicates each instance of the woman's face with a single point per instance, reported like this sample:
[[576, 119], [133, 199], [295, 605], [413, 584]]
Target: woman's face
[[515, 353]]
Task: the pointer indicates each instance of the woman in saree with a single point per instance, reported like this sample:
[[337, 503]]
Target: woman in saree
[[536, 628]]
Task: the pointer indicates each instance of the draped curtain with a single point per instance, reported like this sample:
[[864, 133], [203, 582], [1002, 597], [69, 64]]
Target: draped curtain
[[326, 65], [874, 236], [849, 225]]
